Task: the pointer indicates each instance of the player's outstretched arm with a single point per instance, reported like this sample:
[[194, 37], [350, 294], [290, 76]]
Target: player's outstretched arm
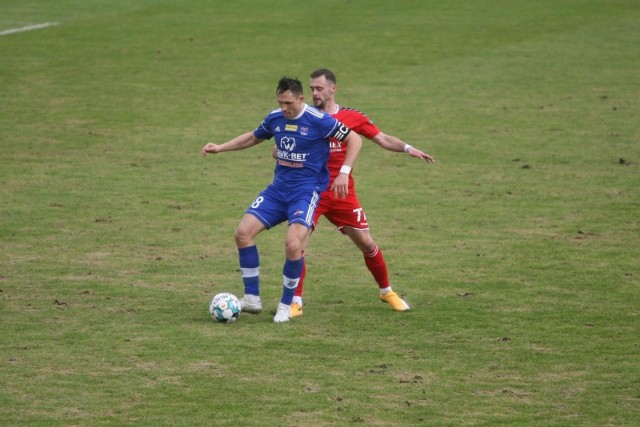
[[240, 142], [392, 143], [341, 184]]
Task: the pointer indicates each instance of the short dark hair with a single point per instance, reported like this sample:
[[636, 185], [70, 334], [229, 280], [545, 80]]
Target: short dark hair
[[289, 83], [327, 73]]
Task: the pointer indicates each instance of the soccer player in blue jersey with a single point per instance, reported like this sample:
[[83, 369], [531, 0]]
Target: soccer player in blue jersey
[[301, 135]]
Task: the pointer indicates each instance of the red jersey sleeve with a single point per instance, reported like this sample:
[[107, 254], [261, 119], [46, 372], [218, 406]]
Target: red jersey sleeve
[[357, 121]]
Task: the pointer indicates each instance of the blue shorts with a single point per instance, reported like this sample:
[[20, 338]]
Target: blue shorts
[[273, 206]]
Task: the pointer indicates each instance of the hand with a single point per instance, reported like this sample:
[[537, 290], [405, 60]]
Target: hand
[[340, 185], [210, 148], [414, 152]]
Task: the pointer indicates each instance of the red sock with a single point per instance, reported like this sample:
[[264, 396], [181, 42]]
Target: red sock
[[302, 275], [378, 268]]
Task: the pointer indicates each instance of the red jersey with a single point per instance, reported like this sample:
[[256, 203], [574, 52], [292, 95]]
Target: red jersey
[[357, 122]]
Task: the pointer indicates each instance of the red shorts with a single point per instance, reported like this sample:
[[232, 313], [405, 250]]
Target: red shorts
[[342, 213]]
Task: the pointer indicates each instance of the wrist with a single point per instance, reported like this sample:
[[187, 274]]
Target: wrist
[[345, 169], [406, 148]]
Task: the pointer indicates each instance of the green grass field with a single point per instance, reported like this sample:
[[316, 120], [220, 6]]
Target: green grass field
[[519, 251]]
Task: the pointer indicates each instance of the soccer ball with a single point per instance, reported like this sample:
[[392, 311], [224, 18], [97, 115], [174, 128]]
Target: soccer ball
[[225, 307]]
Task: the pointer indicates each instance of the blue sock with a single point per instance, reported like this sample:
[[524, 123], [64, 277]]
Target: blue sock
[[291, 276], [250, 268]]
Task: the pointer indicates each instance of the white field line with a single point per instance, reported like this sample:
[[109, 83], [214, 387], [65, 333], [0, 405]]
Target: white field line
[[28, 28]]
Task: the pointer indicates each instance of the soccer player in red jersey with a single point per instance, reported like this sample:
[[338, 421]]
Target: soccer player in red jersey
[[347, 214]]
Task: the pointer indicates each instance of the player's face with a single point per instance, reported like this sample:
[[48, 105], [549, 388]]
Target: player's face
[[290, 104], [322, 91]]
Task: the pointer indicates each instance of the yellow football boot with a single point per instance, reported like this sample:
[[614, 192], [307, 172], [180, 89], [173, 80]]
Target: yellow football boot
[[296, 310], [394, 301]]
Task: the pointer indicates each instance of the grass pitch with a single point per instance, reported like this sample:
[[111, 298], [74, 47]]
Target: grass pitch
[[518, 250]]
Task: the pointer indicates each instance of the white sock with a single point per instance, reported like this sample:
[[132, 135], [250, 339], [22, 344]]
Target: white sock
[[383, 291], [297, 300]]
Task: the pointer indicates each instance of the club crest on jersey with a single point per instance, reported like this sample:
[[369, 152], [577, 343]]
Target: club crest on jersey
[[304, 130], [288, 143], [291, 128]]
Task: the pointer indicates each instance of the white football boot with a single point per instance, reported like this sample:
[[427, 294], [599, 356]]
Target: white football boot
[[283, 314], [251, 307]]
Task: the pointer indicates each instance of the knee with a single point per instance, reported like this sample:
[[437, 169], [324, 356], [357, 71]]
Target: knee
[[369, 247], [365, 242], [293, 248], [242, 236]]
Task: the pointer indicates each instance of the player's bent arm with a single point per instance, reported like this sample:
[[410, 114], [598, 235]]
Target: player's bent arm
[[392, 143], [340, 184], [240, 142], [354, 144]]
